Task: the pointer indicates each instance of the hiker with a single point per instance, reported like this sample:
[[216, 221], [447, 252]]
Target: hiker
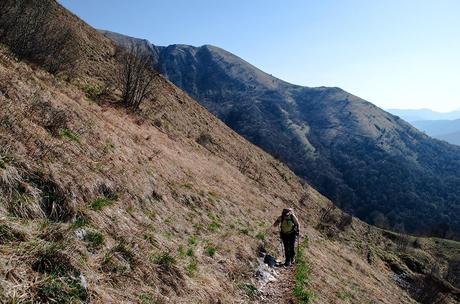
[[289, 229]]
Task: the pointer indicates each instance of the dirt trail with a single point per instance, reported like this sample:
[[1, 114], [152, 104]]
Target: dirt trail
[[279, 291]]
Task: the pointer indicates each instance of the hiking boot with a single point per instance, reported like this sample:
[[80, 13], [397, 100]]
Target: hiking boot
[[287, 264]]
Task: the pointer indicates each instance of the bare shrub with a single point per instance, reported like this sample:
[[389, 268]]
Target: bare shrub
[[204, 139], [17, 196], [453, 271], [54, 201], [304, 199], [136, 76], [327, 215], [244, 164], [32, 31], [31, 195], [10, 234], [430, 289], [344, 222], [52, 119], [403, 242]]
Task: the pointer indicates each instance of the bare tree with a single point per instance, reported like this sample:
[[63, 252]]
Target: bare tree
[[136, 76]]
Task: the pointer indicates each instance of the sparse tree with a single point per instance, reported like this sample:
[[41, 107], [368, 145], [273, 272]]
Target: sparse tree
[[136, 76]]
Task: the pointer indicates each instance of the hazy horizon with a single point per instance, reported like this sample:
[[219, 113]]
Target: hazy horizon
[[397, 55]]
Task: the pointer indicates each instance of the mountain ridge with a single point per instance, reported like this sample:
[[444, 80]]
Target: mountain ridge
[[346, 147], [412, 115]]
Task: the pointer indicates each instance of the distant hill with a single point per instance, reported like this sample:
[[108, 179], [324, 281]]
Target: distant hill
[[437, 128], [370, 162], [453, 138], [412, 115], [447, 130]]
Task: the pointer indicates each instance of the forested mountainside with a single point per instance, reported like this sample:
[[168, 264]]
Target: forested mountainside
[[371, 163]]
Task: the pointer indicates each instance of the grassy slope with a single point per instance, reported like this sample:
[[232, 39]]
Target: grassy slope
[[150, 214]]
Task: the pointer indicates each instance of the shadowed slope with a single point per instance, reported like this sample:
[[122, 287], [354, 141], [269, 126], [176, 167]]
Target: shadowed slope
[[371, 163]]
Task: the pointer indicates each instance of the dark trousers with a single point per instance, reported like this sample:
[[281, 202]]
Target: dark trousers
[[289, 246]]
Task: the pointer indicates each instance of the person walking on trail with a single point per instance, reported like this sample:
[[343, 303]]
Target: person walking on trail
[[289, 230]]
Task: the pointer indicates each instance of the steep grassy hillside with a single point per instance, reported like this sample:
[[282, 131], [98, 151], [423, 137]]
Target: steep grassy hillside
[[101, 204], [371, 163]]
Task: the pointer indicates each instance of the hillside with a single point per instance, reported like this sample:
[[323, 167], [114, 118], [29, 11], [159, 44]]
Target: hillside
[[102, 204], [371, 163]]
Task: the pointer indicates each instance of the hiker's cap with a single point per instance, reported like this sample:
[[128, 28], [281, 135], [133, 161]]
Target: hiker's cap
[[287, 210]]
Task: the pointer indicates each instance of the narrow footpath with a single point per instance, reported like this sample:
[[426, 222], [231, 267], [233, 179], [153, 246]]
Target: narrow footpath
[[279, 291]]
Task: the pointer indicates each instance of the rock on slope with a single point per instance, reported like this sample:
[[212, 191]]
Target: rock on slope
[[168, 205], [369, 162]]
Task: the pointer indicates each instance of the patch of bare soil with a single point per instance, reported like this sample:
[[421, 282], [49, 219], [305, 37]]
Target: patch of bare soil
[[279, 291]]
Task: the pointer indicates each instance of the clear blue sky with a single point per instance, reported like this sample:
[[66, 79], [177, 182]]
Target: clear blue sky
[[394, 53]]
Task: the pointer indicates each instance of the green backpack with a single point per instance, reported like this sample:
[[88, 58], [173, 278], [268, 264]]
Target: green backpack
[[287, 225]]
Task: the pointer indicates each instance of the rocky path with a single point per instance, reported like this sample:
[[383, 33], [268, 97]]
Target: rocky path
[[279, 290]]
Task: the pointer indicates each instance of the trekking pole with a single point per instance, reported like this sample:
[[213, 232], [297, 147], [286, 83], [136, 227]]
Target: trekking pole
[[282, 249], [297, 250]]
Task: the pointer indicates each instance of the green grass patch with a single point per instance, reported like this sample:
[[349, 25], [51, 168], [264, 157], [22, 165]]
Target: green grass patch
[[125, 252], [193, 240], [244, 231], [100, 203], [249, 289], [214, 227], [146, 298], [80, 221], [94, 92], [344, 295], [197, 227], [192, 268], [94, 240], [302, 276], [181, 251], [188, 186], [261, 236], [61, 290], [69, 135], [165, 259], [211, 251]]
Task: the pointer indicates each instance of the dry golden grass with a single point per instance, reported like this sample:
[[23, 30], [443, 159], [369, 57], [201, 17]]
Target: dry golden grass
[[167, 205]]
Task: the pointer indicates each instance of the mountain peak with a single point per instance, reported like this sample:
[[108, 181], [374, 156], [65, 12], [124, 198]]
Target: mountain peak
[[333, 139]]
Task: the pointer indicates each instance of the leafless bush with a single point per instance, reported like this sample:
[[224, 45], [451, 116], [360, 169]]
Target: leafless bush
[[32, 30], [204, 139], [244, 164], [453, 271], [16, 195], [430, 289], [327, 215], [136, 76], [27, 195], [51, 118], [403, 242], [54, 201], [344, 222], [304, 199]]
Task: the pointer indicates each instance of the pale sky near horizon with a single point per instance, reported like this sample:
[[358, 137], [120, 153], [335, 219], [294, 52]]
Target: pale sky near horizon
[[393, 53]]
